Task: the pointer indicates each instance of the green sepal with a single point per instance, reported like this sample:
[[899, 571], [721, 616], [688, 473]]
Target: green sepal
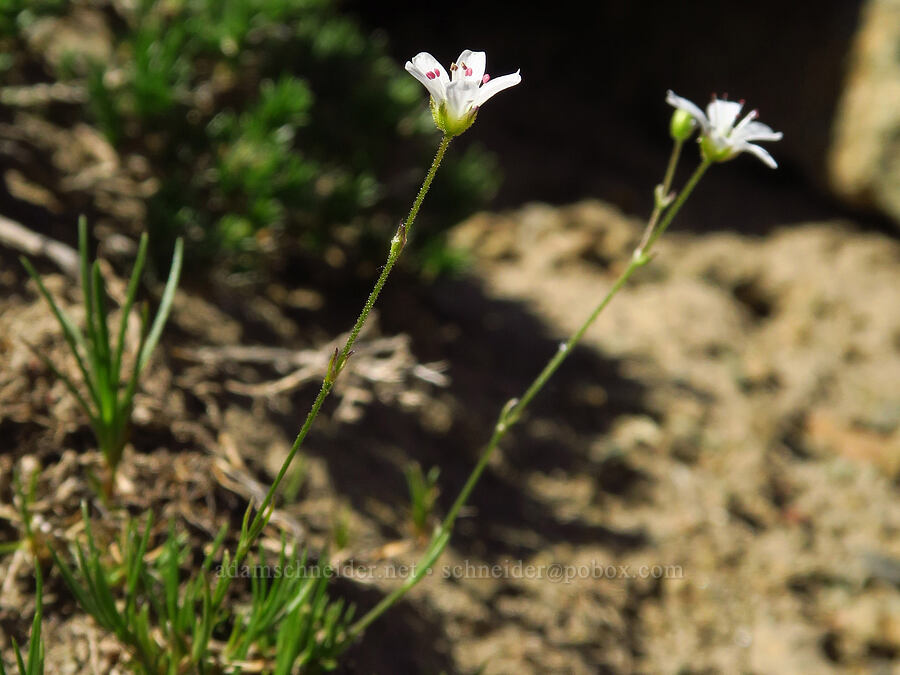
[[452, 126]]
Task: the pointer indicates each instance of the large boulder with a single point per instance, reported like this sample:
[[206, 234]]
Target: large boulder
[[864, 162]]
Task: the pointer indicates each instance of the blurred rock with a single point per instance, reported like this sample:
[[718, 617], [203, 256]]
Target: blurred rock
[[864, 161], [83, 36]]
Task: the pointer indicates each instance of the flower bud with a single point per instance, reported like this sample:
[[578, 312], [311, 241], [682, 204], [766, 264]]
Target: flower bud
[[681, 127]]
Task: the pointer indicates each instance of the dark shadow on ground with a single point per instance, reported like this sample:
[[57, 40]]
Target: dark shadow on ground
[[494, 349], [404, 641]]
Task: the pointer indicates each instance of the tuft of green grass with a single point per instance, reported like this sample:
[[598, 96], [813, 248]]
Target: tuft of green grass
[[172, 622], [99, 354], [340, 532], [33, 664], [423, 492]]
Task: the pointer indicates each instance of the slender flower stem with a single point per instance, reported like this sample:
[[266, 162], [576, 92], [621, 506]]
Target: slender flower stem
[[661, 194], [511, 413], [249, 534], [421, 570], [673, 162], [679, 202], [513, 410], [507, 418]]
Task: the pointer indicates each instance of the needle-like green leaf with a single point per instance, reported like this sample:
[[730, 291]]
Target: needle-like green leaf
[[107, 389], [130, 294], [86, 292], [74, 337], [165, 305], [65, 380], [36, 648]]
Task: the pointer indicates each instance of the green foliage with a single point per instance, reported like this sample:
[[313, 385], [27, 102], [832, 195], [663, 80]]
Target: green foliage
[[423, 493], [33, 663], [340, 531], [26, 497], [18, 14], [98, 356], [269, 122], [168, 619], [291, 616]]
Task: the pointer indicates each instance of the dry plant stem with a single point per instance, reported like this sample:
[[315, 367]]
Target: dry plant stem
[[17, 236], [514, 408], [249, 534]]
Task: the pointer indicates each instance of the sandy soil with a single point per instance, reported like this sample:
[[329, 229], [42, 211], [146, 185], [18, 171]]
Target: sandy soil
[[731, 426]]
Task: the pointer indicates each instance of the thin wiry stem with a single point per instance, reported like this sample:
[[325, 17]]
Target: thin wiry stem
[[514, 408], [338, 361], [661, 197], [513, 411]]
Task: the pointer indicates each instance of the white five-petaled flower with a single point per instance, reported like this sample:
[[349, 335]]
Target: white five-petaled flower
[[722, 137], [456, 97]]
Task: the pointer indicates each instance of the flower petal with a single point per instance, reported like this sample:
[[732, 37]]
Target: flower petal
[[474, 61], [756, 131], [690, 108], [495, 86], [433, 86], [459, 99], [759, 151], [424, 63], [722, 115]]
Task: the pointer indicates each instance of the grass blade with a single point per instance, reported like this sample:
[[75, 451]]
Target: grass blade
[[126, 308], [124, 404], [84, 267], [87, 295], [74, 337], [66, 381], [165, 306], [82, 595], [136, 565], [36, 648], [19, 662], [106, 388]]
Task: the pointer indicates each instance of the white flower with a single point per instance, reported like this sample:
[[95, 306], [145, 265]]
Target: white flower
[[455, 98], [720, 138]]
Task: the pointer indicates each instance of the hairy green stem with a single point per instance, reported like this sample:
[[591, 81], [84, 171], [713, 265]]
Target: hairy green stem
[[249, 534]]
